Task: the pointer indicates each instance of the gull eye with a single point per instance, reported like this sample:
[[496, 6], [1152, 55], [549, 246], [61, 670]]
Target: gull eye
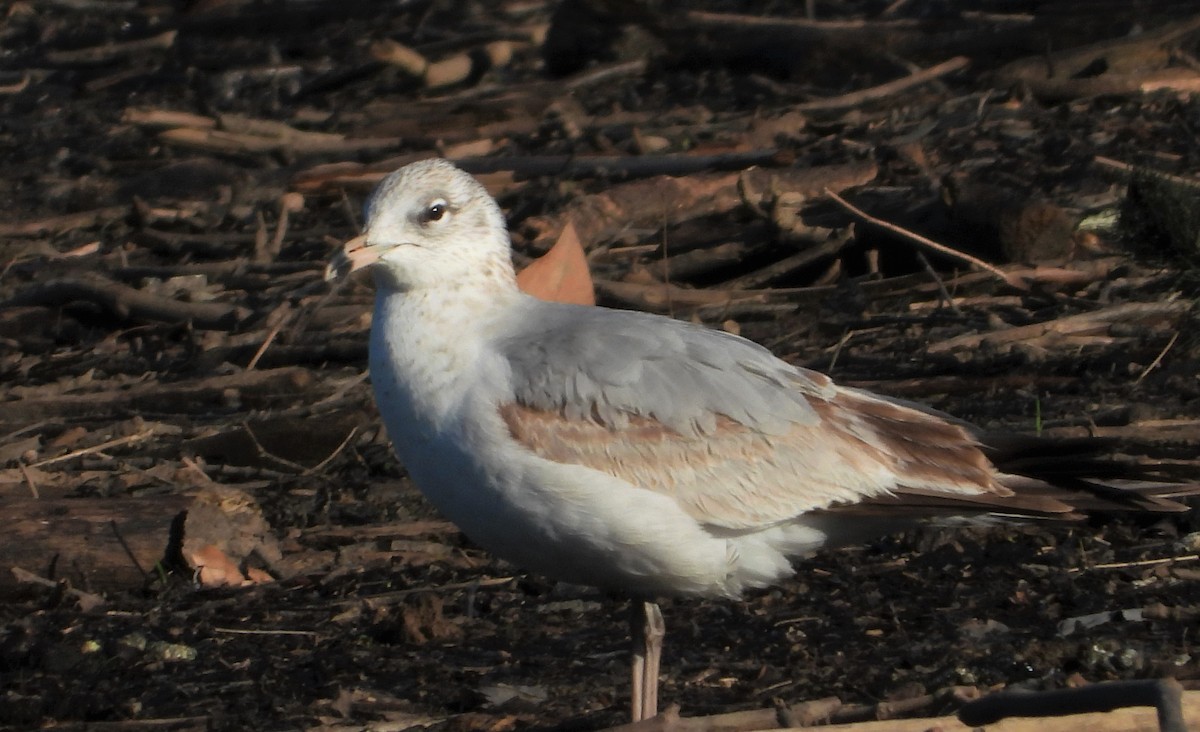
[[435, 211]]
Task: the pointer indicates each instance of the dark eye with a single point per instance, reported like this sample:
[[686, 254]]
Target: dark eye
[[434, 212]]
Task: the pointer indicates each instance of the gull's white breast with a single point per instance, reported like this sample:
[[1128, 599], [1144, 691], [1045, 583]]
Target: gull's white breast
[[440, 385]]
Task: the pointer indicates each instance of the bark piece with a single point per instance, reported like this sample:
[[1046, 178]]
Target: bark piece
[[254, 389], [127, 302], [1143, 316], [1133, 54], [95, 544]]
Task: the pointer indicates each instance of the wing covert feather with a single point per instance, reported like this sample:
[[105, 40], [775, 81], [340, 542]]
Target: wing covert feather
[[738, 437], [607, 365]]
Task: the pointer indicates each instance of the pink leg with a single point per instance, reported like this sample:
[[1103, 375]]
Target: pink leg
[[647, 628]]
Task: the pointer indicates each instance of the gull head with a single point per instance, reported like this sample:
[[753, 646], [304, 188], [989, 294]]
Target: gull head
[[429, 225]]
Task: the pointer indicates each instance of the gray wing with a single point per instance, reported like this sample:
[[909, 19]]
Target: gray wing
[[738, 437], [607, 365]]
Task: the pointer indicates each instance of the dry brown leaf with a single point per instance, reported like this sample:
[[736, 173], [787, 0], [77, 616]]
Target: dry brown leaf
[[216, 568], [258, 576], [561, 274]]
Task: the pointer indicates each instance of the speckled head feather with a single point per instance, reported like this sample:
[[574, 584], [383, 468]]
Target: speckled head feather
[[430, 224]]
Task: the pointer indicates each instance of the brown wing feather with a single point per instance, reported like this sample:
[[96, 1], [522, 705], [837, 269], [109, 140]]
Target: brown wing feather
[[861, 449]]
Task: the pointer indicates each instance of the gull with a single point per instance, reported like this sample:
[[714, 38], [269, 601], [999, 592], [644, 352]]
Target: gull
[[630, 451]]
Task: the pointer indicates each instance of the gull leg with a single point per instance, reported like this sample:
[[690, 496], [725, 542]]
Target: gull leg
[[647, 629]]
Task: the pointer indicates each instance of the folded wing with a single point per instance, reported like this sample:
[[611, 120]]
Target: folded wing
[[740, 439]]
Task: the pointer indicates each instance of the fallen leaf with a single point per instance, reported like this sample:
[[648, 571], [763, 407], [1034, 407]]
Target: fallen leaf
[[216, 568], [258, 576], [561, 274]]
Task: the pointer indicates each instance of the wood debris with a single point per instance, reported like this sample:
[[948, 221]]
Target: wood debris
[[989, 210]]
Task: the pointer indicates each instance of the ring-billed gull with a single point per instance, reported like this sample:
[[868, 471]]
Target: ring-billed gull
[[626, 450]]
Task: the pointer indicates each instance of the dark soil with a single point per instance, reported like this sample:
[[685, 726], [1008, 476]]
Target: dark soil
[[417, 627]]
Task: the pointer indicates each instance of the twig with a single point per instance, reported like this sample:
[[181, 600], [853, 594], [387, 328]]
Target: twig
[[753, 22], [837, 350], [264, 452], [286, 207], [1094, 323], [127, 302], [251, 631], [927, 243], [570, 166], [165, 118], [81, 220], [97, 55], [341, 392], [194, 466], [1165, 695], [337, 451], [17, 87], [1139, 563], [1159, 611], [313, 143], [1110, 84], [1128, 169], [1157, 359], [606, 74], [788, 265], [33, 489], [261, 255], [943, 294], [125, 545], [86, 599], [266, 343], [891, 88], [96, 448]]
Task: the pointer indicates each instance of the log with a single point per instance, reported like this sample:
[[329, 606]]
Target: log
[[1128, 719], [120, 543], [95, 544], [251, 389]]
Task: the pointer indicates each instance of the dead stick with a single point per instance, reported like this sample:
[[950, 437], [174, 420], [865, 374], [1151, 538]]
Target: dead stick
[[1134, 564], [280, 229], [33, 489], [88, 598], [96, 448], [809, 713], [194, 466], [1157, 359], [81, 220], [127, 302], [943, 294], [1165, 695], [261, 254], [125, 545], [1094, 323], [266, 344], [1128, 169], [17, 87], [253, 631], [606, 74], [786, 266], [265, 453], [891, 88], [570, 166], [753, 22], [927, 243], [337, 451], [112, 51]]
